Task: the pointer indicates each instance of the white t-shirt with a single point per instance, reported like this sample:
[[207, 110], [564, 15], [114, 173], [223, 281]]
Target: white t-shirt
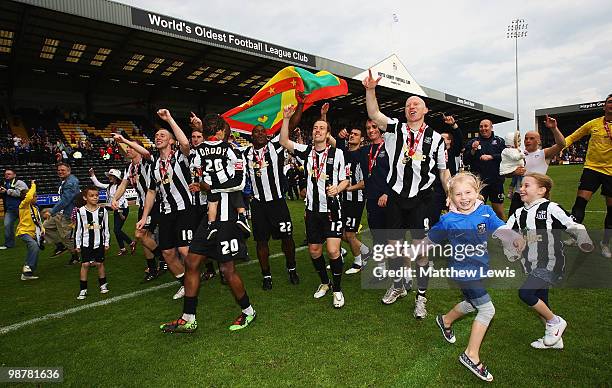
[[534, 162]]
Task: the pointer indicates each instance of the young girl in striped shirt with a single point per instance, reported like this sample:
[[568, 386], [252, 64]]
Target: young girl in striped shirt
[[542, 221]]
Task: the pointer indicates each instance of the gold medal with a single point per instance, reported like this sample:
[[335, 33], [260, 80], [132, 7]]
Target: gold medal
[[417, 156], [258, 173]]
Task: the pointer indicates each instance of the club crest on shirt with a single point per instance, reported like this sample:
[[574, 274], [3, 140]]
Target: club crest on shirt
[[541, 215], [482, 228], [428, 140]]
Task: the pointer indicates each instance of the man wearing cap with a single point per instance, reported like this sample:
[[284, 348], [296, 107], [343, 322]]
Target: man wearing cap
[[121, 213]]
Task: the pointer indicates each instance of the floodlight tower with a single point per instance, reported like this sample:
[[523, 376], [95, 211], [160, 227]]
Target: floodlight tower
[[517, 29]]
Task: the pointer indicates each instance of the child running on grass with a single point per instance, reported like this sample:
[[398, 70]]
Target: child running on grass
[[543, 260], [92, 239], [469, 223], [30, 231]]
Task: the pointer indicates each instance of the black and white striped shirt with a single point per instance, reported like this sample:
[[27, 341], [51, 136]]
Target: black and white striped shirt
[[542, 223], [323, 168], [409, 175], [264, 168], [221, 165], [139, 177], [355, 175], [92, 228], [171, 178], [198, 198]]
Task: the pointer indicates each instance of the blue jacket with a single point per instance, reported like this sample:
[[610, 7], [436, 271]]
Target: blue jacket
[[468, 234], [69, 189]]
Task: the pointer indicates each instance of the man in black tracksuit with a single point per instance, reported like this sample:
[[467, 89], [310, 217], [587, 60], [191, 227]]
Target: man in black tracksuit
[[483, 155]]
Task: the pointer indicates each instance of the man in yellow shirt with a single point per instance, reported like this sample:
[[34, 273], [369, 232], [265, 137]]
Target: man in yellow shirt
[[597, 169], [30, 231]]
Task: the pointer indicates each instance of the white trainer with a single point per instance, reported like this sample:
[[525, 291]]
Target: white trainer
[[338, 299], [420, 309], [321, 291], [27, 274], [104, 289], [82, 295], [180, 293], [393, 294], [539, 344], [553, 332], [605, 250], [356, 268]]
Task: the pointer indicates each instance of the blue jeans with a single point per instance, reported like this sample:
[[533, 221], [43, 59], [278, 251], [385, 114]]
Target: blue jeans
[[10, 217], [33, 250]]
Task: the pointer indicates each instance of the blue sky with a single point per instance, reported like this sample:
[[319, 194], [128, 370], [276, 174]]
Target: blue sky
[[459, 47]]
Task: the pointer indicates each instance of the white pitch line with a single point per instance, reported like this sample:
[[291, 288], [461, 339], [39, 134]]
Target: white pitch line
[[61, 314]]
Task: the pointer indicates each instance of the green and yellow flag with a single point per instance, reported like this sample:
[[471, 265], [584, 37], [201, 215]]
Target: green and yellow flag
[[266, 106]]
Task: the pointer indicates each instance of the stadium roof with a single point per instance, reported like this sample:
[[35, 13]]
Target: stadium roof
[[593, 106], [97, 43]]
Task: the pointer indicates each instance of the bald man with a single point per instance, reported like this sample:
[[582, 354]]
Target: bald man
[[536, 158], [483, 155], [416, 154]]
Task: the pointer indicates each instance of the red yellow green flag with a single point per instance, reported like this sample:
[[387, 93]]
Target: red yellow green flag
[[266, 106]]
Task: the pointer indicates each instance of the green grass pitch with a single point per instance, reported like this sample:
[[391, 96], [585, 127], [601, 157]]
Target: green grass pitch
[[296, 340]]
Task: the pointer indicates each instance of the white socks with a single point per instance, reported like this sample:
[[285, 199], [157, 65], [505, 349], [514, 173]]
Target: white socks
[[188, 317], [249, 310]]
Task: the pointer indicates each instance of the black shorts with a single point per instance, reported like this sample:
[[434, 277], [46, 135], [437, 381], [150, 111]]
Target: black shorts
[[152, 219], [235, 198], [591, 180], [352, 212], [493, 192], [320, 226], [402, 214], [228, 246], [176, 229], [271, 219], [438, 205], [376, 220], [89, 255]]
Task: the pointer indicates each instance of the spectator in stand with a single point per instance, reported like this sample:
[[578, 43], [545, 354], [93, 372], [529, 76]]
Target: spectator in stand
[[11, 197], [58, 225]]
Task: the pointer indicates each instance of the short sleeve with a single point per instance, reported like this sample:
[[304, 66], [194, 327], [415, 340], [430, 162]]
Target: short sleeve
[[394, 124], [341, 167], [441, 156], [438, 232], [152, 180], [277, 147], [494, 221], [301, 150]]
